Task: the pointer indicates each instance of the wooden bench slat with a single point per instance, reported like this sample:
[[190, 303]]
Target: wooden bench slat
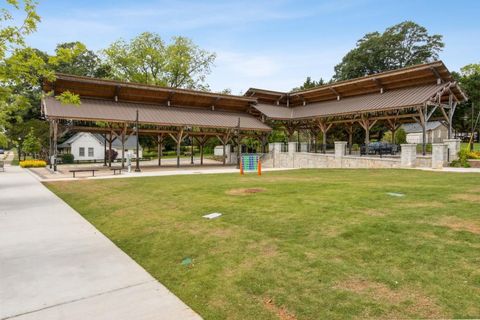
[[83, 170]]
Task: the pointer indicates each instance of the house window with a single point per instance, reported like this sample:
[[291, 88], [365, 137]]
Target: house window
[[81, 152], [90, 152]]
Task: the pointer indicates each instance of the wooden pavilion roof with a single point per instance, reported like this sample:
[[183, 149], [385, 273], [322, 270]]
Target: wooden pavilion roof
[[414, 76], [125, 112], [116, 101], [399, 99], [120, 91]]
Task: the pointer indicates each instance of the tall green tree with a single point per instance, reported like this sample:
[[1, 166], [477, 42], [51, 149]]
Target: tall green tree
[[12, 34], [32, 144], [467, 112], [399, 46], [3, 140], [18, 19], [147, 59], [22, 73], [309, 84], [81, 62]]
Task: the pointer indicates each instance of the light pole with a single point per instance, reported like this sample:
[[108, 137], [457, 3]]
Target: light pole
[[19, 149], [137, 164]]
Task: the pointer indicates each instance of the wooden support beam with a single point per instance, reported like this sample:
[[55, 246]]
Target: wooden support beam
[[155, 132], [382, 117], [110, 140], [451, 112], [123, 140], [379, 84], [169, 98], [178, 138], [324, 127], [160, 140], [116, 94], [367, 124], [290, 128], [335, 92], [238, 139], [314, 131], [437, 75], [202, 140], [349, 127], [104, 149], [423, 122], [224, 140]]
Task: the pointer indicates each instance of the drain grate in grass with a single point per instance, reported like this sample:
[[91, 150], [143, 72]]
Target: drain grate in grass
[[396, 194], [212, 215]]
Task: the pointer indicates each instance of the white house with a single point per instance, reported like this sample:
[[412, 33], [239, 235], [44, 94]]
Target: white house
[[89, 146], [436, 132]]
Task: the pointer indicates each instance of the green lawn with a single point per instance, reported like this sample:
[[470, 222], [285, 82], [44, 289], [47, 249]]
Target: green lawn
[[312, 244], [476, 146]]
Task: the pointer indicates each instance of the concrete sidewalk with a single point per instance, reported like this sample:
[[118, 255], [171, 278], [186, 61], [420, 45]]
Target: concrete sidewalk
[[56, 265]]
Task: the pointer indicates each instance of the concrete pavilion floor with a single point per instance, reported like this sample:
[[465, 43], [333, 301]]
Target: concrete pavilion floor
[[148, 169], [56, 265]]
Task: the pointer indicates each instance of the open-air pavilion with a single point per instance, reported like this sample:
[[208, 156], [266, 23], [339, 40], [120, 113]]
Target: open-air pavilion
[[118, 109], [420, 93]]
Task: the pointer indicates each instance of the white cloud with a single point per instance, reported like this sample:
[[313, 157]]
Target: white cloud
[[272, 70]]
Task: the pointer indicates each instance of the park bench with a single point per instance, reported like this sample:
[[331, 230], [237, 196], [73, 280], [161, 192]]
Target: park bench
[[83, 170], [2, 166], [115, 170]]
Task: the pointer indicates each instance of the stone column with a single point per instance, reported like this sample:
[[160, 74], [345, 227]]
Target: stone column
[[228, 154], [292, 147], [439, 153], [275, 148], [340, 147], [453, 148], [409, 155]]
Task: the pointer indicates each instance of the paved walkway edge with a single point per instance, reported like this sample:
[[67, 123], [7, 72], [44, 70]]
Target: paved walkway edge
[[55, 265]]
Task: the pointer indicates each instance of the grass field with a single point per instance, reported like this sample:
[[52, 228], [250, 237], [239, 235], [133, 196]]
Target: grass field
[[476, 146], [307, 244]]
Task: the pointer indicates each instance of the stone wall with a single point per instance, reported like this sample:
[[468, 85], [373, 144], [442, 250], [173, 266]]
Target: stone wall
[[291, 159], [423, 162], [408, 159]]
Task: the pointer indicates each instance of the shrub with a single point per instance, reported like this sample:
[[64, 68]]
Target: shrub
[[33, 164], [68, 158], [400, 136], [150, 153], [463, 156], [475, 155], [111, 153]]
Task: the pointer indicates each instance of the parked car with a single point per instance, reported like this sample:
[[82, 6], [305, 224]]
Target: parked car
[[380, 148], [2, 151]]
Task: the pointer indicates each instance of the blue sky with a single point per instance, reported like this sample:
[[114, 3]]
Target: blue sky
[[268, 44]]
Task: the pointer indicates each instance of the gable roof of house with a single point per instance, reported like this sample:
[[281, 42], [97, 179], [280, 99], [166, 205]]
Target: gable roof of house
[[417, 128]]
